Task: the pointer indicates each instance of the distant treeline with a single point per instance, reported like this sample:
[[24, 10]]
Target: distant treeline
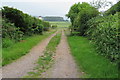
[[53, 18]]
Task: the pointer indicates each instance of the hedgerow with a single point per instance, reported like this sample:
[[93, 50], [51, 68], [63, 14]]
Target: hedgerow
[[27, 24], [10, 31], [16, 25], [103, 31]]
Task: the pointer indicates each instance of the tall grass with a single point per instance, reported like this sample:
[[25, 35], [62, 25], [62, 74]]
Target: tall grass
[[21, 48], [94, 65]]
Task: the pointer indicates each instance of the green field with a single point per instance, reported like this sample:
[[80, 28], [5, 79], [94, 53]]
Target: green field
[[94, 65], [60, 24], [21, 48]]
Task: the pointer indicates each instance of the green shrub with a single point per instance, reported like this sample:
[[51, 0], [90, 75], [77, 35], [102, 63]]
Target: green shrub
[[104, 33], [10, 31], [27, 24], [46, 26]]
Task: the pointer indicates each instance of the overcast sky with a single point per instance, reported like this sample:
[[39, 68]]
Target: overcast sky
[[44, 7]]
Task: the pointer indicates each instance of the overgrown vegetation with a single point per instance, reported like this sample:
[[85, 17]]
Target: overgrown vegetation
[[45, 61], [103, 31], [94, 66], [10, 33]]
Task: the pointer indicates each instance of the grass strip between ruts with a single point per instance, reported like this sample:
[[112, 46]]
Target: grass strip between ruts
[[45, 62]]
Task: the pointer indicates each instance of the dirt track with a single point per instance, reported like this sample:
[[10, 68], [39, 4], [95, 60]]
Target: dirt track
[[64, 66], [20, 67]]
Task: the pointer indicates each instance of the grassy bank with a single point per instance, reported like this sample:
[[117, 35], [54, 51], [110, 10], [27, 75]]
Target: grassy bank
[[45, 62], [95, 66], [21, 48]]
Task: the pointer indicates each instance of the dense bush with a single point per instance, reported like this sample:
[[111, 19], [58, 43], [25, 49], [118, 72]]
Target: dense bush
[[79, 14], [15, 16], [10, 31], [104, 33], [10, 34], [27, 24], [46, 26]]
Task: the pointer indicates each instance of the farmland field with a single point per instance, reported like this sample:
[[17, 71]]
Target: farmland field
[[60, 23]]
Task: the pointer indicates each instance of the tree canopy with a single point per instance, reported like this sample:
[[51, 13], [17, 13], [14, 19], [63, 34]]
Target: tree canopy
[[79, 14]]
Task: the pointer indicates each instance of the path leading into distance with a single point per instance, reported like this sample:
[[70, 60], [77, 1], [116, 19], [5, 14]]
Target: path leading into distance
[[64, 66]]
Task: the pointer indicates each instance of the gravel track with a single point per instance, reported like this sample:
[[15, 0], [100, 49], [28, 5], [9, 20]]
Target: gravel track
[[25, 64], [64, 66]]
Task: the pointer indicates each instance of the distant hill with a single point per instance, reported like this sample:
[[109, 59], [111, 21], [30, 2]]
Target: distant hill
[[53, 18]]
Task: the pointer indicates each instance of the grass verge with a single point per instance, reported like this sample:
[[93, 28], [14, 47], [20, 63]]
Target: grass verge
[[21, 48], [45, 62], [95, 66]]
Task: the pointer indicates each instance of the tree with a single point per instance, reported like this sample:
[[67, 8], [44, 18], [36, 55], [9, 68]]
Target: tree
[[79, 14]]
